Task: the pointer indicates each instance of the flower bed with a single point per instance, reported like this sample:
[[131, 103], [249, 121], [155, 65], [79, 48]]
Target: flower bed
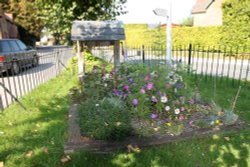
[[144, 101]]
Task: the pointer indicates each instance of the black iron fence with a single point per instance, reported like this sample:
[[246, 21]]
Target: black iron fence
[[223, 62], [51, 62]]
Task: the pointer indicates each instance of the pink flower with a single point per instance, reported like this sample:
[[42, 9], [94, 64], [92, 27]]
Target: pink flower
[[142, 91], [181, 118], [150, 86], [126, 88], [147, 78]]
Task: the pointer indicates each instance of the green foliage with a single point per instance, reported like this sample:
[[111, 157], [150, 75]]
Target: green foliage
[[89, 57], [45, 126], [138, 35], [73, 64], [203, 36], [236, 16], [105, 119], [57, 19], [42, 127], [26, 16], [189, 21], [58, 15]]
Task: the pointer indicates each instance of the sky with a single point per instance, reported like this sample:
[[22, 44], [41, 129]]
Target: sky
[[141, 11]]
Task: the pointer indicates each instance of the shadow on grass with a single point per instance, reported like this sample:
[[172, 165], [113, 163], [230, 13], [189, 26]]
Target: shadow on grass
[[224, 150], [43, 131], [44, 135], [36, 138]]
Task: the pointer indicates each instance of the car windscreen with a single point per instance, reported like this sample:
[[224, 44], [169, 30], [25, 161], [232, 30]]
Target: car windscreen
[[4, 46], [21, 45], [14, 46]]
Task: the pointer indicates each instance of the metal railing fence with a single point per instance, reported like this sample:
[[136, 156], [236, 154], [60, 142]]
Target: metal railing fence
[[51, 63], [223, 62]]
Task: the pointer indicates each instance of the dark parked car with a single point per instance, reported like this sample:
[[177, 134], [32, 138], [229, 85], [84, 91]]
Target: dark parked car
[[14, 55]]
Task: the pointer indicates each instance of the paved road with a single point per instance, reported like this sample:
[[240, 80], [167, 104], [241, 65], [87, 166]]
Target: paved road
[[232, 68], [30, 78]]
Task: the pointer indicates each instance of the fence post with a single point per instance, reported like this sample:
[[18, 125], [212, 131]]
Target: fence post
[[1, 103], [143, 54], [189, 57], [57, 62]]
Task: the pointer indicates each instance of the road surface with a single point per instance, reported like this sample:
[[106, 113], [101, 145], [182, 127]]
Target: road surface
[[52, 61]]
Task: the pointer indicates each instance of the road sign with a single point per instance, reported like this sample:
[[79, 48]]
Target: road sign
[[160, 12]]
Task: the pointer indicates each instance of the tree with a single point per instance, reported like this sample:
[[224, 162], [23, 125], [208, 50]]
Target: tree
[[26, 16], [58, 15], [236, 22], [188, 22]]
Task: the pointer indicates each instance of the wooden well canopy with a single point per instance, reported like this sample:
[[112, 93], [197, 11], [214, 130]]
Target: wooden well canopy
[[96, 33]]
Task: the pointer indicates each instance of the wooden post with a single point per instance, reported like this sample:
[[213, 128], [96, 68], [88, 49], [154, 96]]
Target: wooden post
[[81, 62], [117, 54]]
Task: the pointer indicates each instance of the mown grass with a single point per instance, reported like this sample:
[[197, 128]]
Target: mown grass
[[25, 136], [43, 131]]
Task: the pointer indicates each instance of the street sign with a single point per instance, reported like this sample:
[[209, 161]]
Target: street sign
[[160, 12]]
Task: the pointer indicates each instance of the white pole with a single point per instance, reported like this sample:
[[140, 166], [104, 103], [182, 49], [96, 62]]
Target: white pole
[[169, 35]]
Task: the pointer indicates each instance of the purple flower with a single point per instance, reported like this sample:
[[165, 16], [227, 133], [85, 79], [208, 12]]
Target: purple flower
[[131, 81], [135, 102], [191, 101], [150, 86], [142, 91], [160, 94], [116, 92], [126, 88], [179, 85], [154, 116], [182, 109], [154, 99]]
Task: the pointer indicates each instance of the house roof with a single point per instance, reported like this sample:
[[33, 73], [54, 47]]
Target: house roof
[[201, 6], [173, 25], [97, 31]]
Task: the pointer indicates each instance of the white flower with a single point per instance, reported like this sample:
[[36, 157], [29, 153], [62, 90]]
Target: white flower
[[167, 108], [164, 99], [97, 105], [177, 111], [153, 73], [107, 76], [105, 85]]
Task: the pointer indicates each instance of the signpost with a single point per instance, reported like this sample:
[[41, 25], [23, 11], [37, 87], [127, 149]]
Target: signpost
[[167, 14]]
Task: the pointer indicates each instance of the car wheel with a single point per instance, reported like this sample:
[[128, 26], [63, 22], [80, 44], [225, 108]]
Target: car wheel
[[15, 68], [35, 61]]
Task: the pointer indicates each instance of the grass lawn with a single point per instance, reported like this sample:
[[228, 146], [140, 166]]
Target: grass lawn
[[36, 138]]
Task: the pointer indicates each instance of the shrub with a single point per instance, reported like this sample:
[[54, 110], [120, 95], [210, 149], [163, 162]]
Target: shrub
[[105, 119], [137, 35]]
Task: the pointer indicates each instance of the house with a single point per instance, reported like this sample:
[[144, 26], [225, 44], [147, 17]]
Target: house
[[8, 29], [207, 13]]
